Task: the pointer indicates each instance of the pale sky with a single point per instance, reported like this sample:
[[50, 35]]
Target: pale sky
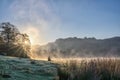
[[46, 20]]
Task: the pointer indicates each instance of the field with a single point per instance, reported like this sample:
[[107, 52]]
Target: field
[[13, 68], [90, 69]]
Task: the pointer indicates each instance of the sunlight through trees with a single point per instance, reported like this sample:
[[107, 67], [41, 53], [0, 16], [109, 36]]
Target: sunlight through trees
[[12, 42]]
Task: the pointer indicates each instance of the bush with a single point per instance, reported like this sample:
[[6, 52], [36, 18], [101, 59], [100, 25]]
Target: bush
[[49, 58]]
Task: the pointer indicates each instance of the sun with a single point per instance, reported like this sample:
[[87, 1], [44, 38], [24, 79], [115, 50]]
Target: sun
[[33, 34], [26, 42]]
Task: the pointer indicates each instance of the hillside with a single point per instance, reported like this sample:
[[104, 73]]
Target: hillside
[[13, 68], [81, 47]]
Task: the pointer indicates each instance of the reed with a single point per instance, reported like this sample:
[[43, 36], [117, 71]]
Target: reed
[[94, 69]]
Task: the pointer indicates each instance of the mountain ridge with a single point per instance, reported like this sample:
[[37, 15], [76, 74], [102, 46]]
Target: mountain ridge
[[82, 47]]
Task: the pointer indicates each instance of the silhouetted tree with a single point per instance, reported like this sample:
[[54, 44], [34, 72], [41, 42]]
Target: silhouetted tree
[[1, 40], [8, 32], [15, 43]]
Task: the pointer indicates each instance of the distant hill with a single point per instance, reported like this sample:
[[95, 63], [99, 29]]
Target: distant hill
[[81, 47]]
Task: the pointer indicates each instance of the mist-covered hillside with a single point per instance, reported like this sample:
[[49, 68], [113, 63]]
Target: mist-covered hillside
[[81, 47]]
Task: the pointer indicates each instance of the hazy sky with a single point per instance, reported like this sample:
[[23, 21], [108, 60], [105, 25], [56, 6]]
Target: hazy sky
[[47, 20]]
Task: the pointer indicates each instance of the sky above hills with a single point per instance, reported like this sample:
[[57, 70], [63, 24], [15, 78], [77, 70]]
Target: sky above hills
[[46, 20]]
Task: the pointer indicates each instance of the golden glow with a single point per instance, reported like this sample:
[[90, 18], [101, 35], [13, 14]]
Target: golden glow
[[33, 34], [26, 42]]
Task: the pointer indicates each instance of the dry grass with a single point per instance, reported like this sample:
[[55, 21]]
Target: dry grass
[[94, 69]]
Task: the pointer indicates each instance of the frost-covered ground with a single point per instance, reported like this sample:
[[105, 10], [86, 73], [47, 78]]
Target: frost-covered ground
[[13, 68]]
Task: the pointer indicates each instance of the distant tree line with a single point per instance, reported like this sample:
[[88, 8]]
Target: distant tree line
[[12, 42]]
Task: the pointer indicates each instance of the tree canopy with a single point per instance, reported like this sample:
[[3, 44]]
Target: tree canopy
[[13, 42]]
